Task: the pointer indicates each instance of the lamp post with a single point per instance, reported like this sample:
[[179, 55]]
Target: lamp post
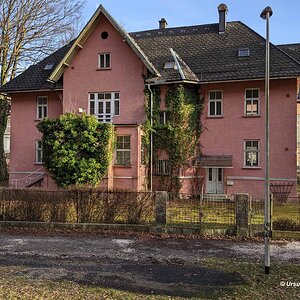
[[266, 14]]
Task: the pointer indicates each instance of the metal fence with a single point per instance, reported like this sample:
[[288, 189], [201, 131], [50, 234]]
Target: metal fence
[[208, 211], [285, 214]]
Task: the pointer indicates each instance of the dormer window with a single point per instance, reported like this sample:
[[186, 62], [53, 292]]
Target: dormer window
[[170, 65], [244, 52], [104, 61]]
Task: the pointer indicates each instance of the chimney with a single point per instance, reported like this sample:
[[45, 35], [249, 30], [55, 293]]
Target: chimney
[[163, 23], [222, 8]]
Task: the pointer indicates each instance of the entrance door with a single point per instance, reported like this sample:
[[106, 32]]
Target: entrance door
[[214, 181]]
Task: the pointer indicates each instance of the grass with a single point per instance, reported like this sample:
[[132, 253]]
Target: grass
[[255, 284]]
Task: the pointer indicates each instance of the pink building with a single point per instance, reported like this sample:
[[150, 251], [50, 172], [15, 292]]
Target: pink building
[[105, 72]]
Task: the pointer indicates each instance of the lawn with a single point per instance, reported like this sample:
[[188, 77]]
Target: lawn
[[254, 284]]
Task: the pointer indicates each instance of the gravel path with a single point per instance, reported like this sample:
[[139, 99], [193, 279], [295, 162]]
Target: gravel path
[[146, 264]]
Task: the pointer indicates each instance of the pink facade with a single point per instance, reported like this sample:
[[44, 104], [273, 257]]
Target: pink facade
[[223, 135]]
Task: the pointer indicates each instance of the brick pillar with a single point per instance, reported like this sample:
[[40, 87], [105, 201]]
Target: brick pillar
[[242, 206], [161, 207]]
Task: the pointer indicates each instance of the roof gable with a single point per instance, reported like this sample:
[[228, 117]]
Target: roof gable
[[83, 36]]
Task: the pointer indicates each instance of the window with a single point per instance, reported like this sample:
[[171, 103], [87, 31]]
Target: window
[[162, 167], [104, 106], [104, 61], [244, 52], [42, 107], [251, 102], [143, 153], [122, 156], [163, 117], [38, 152], [215, 103], [251, 149]]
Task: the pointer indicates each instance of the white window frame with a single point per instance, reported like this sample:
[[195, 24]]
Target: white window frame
[[253, 150], [101, 98], [42, 106], [215, 102], [252, 99], [38, 152], [162, 167], [122, 150], [105, 55]]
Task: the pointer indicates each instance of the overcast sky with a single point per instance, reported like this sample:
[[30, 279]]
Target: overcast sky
[[138, 15]]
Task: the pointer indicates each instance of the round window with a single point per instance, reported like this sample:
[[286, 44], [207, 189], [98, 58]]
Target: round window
[[104, 35]]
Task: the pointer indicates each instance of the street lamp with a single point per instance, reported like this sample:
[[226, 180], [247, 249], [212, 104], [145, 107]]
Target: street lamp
[[266, 14]]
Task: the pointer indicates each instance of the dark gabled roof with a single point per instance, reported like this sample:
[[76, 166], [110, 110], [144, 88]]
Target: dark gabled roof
[[213, 56], [35, 77], [292, 50], [203, 54]]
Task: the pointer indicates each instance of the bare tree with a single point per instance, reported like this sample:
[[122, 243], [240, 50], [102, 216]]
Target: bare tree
[[30, 30]]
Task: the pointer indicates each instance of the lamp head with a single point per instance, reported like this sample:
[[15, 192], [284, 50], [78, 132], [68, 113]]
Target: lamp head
[[267, 11]]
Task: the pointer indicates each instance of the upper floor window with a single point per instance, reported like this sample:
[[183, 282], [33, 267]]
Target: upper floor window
[[251, 151], [251, 102], [104, 105], [42, 107], [104, 61], [215, 107], [163, 117], [122, 154], [38, 152]]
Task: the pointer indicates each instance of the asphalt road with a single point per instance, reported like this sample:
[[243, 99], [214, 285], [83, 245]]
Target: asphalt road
[[144, 264]]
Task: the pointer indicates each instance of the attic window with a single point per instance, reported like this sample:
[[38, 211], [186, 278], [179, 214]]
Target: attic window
[[104, 35], [48, 66], [245, 52], [170, 65]]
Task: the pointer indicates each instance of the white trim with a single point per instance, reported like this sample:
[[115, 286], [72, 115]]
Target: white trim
[[256, 151], [177, 64], [206, 167], [104, 60], [125, 177], [245, 102], [26, 172], [215, 101], [38, 105], [189, 177], [259, 178]]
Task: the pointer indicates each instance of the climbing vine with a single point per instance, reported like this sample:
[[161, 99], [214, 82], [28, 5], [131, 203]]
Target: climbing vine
[[179, 135]]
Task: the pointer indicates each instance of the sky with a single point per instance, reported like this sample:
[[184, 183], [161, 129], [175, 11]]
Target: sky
[[138, 15]]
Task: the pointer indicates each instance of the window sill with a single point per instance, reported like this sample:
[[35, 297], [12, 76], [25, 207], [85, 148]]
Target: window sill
[[215, 117], [122, 166], [103, 69], [251, 168], [251, 116], [39, 163], [39, 120]]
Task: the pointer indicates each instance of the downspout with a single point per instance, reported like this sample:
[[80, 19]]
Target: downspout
[[151, 137]]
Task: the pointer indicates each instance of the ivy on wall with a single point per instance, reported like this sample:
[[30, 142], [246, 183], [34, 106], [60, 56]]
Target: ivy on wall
[[77, 149], [180, 135]]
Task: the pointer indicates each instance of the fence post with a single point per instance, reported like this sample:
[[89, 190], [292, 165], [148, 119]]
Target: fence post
[[242, 202], [161, 207]]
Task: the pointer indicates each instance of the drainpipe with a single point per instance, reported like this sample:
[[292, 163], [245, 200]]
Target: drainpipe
[[151, 138]]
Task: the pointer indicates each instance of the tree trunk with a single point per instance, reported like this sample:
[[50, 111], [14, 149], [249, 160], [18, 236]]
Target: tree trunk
[[3, 122]]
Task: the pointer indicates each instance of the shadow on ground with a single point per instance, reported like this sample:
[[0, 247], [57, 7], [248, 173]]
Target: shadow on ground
[[173, 278]]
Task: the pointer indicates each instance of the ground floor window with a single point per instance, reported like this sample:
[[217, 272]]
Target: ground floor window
[[162, 167], [38, 152], [122, 153], [251, 153]]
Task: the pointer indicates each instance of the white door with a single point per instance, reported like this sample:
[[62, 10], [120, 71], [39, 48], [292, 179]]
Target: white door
[[214, 181]]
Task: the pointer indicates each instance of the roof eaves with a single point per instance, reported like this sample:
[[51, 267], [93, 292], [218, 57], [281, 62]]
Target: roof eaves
[[58, 71]]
